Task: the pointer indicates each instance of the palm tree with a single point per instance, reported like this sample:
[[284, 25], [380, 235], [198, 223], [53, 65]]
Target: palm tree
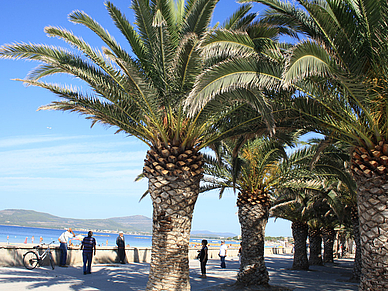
[[253, 172], [330, 222], [337, 196], [266, 181], [322, 224], [296, 213], [342, 67], [315, 239], [328, 237], [342, 199], [319, 201], [142, 95]]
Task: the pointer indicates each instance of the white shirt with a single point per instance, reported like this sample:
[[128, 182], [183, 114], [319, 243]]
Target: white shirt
[[223, 250], [64, 237]]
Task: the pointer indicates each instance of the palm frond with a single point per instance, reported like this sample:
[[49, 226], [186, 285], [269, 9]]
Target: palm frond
[[225, 43], [198, 15], [231, 75], [308, 59], [238, 20], [130, 34]]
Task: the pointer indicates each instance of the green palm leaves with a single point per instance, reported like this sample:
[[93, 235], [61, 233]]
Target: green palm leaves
[[141, 92], [256, 167], [342, 65], [243, 64]]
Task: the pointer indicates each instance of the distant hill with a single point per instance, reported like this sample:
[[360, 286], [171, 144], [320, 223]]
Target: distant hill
[[30, 218], [134, 223]]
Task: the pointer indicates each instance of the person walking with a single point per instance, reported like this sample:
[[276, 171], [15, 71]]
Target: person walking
[[63, 240], [120, 242], [89, 247], [222, 253], [239, 253], [203, 258]]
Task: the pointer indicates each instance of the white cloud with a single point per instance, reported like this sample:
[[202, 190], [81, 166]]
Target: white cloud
[[28, 140], [115, 186], [61, 155], [90, 164]]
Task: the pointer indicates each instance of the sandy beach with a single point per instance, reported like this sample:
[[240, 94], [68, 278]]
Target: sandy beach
[[134, 276]]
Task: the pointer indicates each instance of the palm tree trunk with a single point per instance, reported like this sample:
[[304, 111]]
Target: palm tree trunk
[[356, 234], [173, 199], [253, 220], [328, 244], [299, 233], [372, 199], [315, 238]]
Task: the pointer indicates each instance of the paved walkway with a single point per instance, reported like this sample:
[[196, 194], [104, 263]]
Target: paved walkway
[[134, 277]]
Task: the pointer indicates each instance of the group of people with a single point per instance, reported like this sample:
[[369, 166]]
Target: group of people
[[88, 247], [203, 256]]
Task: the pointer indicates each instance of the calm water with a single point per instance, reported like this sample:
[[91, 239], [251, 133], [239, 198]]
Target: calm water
[[19, 234]]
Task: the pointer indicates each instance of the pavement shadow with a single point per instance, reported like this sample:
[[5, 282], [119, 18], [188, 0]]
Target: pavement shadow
[[328, 277], [332, 277], [134, 277], [215, 274], [130, 277]]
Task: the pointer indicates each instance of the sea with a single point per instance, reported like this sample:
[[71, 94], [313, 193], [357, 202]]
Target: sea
[[14, 235]]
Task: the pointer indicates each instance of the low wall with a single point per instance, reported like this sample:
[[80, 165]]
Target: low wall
[[11, 255]]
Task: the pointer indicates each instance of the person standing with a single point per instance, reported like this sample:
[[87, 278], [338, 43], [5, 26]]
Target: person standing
[[88, 246], [222, 253], [63, 240], [203, 258], [239, 253], [120, 242]]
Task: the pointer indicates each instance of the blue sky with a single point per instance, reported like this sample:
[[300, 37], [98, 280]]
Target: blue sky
[[54, 162]]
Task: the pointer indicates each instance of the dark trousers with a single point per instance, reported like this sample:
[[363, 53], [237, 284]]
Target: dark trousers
[[87, 262], [63, 257], [121, 255], [223, 265], [203, 267]]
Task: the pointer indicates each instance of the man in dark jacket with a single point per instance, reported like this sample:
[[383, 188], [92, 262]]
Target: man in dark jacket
[[120, 242], [88, 245]]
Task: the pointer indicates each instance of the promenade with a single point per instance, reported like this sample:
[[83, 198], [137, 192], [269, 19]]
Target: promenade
[[107, 277]]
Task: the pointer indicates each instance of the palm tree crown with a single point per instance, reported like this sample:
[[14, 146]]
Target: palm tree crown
[[341, 63]]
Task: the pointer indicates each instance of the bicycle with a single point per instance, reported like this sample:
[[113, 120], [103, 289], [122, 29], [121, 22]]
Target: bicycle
[[32, 259]]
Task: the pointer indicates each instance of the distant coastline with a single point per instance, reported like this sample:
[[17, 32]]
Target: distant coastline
[[22, 235], [135, 224]]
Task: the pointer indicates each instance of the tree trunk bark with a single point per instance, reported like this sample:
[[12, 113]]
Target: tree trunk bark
[[372, 199], [173, 193], [253, 220], [357, 258], [315, 238], [328, 244], [299, 233]]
